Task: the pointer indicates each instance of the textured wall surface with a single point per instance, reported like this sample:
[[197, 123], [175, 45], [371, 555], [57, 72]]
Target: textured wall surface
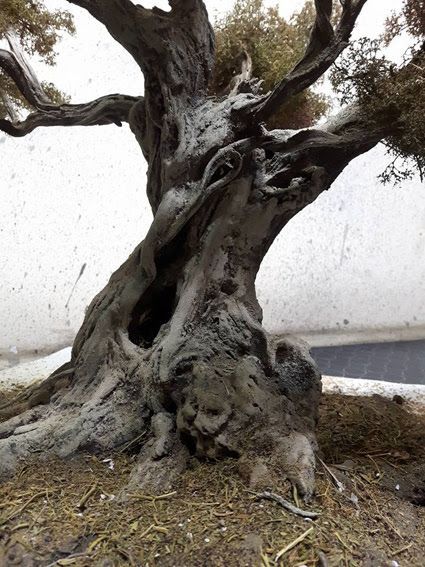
[[72, 207]]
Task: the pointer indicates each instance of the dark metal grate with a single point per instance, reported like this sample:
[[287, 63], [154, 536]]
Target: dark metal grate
[[393, 362]]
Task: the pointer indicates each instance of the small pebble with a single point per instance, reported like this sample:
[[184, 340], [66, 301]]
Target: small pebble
[[397, 487]]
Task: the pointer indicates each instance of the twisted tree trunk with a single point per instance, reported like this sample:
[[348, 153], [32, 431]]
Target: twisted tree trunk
[[176, 347], [173, 348]]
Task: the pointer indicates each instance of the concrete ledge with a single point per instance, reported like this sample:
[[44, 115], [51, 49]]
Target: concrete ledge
[[352, 337], [361, 387], [28, 372]]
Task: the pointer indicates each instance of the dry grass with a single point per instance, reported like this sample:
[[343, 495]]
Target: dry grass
[[70, 513]]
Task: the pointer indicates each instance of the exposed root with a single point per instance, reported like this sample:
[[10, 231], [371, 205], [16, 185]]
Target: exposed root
[[37, 394], [238, 407]]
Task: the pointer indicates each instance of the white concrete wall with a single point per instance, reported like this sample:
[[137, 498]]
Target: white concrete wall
[[69, 198]]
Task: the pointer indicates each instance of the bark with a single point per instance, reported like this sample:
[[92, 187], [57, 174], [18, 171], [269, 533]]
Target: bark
[[174, 345]]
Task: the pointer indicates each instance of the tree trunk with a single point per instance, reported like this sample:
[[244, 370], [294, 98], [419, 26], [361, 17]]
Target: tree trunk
[[182, 355], [172, 358]]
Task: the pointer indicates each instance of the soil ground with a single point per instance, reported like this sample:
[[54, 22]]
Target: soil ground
[[73, 513]]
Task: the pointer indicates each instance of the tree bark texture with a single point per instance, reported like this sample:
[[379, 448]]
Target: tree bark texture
[[173, 347]]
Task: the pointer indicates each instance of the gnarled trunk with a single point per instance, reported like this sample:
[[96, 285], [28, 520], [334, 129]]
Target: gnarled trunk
[[172, 356], [180, 353]]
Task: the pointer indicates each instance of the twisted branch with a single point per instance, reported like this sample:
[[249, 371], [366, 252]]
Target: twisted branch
[[324, 47], [18, 69], [110, 109]]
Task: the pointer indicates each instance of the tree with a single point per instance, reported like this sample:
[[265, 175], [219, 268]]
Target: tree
[[172, 350]]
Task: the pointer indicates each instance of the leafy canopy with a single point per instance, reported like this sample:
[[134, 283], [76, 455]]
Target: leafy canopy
[[275, 45], [37, 30], [388, 92]]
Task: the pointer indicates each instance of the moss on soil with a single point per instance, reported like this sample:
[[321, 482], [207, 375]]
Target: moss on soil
[[71, 513]]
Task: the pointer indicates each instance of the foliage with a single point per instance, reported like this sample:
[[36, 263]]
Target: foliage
[[37, 30], [275, 45], [411, 19], [391, 93]]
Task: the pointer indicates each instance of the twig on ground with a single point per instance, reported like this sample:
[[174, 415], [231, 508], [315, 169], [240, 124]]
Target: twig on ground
[[404, 548], [64, 559], [286, 504], [293, 543], [340, 486], [21, 508], [132, 442], [82, 502]]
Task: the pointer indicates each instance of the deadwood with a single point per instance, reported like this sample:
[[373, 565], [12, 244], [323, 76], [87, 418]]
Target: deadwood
[[110, 109], [325, 45]]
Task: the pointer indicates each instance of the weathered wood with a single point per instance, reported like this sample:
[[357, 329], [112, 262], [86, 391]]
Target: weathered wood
[[174, 343]]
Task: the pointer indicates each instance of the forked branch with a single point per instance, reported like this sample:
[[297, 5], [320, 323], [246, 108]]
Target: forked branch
[[325, 45]]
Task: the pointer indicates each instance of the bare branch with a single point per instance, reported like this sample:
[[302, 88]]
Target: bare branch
[[110, 109], [14, 65], [324, 47], [297, 156], [236, 84], [120, 19]]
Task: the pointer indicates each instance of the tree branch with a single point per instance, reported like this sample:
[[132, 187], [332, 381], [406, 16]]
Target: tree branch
[[298, 155], [13, 64], [110, 109], [176, 46], [120, 19], [324, 47]]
